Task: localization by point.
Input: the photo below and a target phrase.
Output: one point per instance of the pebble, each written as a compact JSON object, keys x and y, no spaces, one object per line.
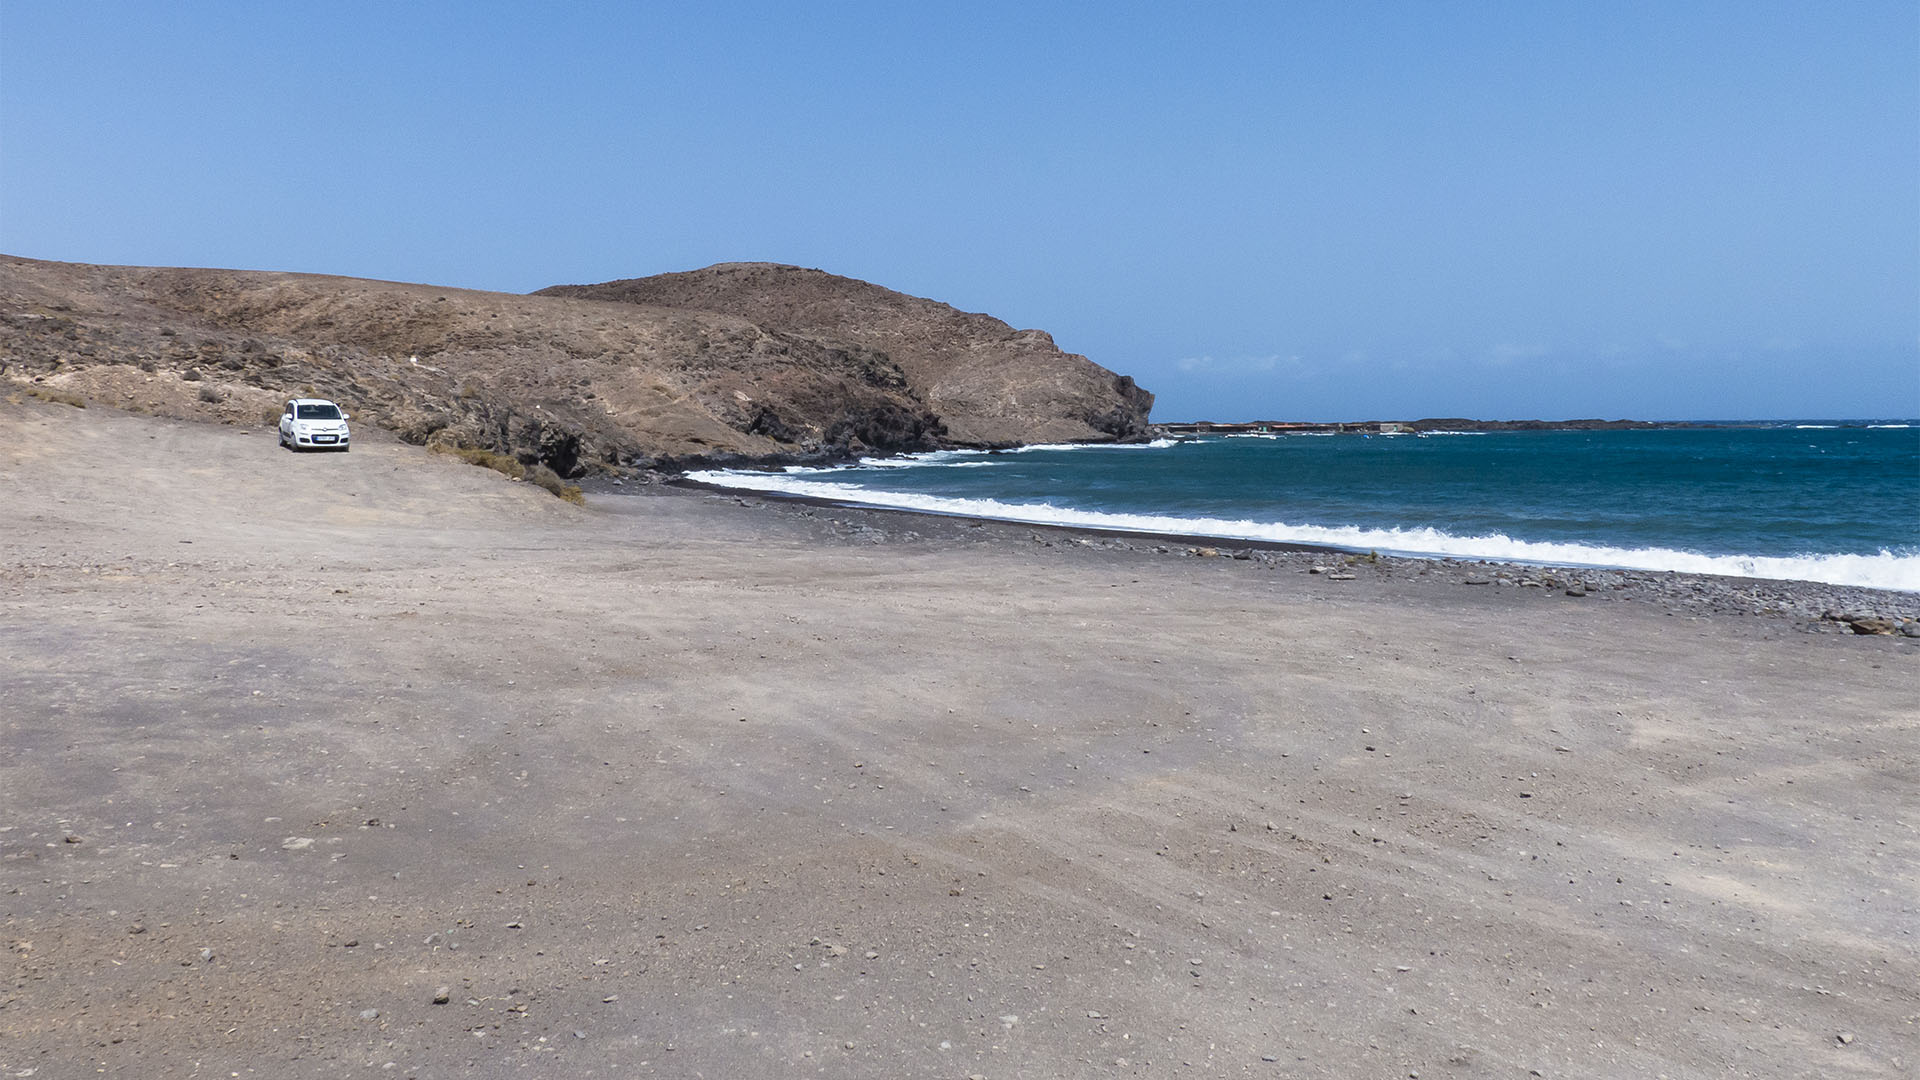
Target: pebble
{"x":1845,"y":1038}
{"x":369,"y":1014}
{"x":442,"y":995}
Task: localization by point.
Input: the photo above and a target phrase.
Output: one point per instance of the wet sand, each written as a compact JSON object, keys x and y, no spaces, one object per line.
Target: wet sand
{"x":689,"y":785}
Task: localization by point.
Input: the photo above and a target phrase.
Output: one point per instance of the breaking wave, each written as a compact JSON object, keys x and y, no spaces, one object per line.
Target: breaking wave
{"x":963,"y":459}
{"x":1883,"y":570}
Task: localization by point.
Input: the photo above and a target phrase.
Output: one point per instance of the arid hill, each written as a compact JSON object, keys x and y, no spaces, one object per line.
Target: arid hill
{"x":769,"y":366}
{"x":988,"y":382}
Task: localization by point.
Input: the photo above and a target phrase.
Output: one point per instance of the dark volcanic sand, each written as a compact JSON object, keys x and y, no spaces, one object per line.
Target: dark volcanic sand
{"x":675,"y":786}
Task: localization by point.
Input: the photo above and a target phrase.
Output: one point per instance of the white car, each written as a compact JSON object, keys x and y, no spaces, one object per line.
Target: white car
{"x":314,"y":422}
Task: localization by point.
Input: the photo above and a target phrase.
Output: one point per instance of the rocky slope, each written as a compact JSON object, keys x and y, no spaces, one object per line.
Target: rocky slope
{"x":989,"y":383}
{"x":558,"y":378}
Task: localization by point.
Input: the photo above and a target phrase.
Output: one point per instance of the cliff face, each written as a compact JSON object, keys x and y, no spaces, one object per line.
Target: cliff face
{"x":989,"y":383}
{"x":571,"y":382}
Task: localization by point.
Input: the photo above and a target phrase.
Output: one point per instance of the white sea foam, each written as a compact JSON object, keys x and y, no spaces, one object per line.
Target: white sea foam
{"x":967,"y":459}
{"x":1453,"y":433}
{"x":1157,"y":444}
{"x":944,"y":456}
{"x":908,"y":461}
{"x":1884,"y":570}
{"x":1889,"y":427}
{"x":1815,"y":427}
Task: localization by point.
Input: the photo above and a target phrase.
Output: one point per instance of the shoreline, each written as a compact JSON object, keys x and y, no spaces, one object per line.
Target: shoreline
{"x":1742,"y":532}
{"x":1819,"y":604}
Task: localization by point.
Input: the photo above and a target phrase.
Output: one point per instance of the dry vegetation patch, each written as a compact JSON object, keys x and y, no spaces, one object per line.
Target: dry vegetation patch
{"x":510,"y":466}
{"x":58,"y":397}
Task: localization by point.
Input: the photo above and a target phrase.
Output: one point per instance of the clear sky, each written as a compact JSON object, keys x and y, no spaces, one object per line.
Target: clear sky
{"x":1672,"y":209}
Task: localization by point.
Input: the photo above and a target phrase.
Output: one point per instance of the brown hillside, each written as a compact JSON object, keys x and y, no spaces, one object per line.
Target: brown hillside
{"x":573,"y":383}
{"x":988,"y":382}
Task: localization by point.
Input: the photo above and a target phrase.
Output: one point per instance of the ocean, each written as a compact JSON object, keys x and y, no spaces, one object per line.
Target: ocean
{"x":1827,"y":501}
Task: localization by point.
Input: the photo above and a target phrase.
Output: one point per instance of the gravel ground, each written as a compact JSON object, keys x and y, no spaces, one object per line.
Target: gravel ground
{"x":381,"y":764}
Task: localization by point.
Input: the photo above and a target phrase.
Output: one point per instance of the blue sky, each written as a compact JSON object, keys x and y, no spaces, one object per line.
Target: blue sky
{"x":1312,"y":210}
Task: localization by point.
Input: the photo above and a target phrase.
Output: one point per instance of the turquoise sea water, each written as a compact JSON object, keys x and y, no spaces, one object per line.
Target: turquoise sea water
{"x":1830,"y":502}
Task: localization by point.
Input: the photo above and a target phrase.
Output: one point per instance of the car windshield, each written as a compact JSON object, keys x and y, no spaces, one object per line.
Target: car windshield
{"x":317,"y":412}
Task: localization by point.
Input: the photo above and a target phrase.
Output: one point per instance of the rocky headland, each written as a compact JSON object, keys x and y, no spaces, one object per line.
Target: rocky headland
{"x":991,"y":385}
{"x":736,"y":363}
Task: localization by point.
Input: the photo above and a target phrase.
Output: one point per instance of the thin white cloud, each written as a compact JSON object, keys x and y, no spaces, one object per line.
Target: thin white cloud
{"x":1237,"y":365}
{"x":1507,"y":353}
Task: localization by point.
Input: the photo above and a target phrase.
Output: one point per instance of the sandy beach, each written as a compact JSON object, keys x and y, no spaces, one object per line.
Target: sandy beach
{"x":380,"y":764}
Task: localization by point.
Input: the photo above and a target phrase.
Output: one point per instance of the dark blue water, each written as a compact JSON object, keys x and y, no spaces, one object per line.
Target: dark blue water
{"x":1832,"y":504}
